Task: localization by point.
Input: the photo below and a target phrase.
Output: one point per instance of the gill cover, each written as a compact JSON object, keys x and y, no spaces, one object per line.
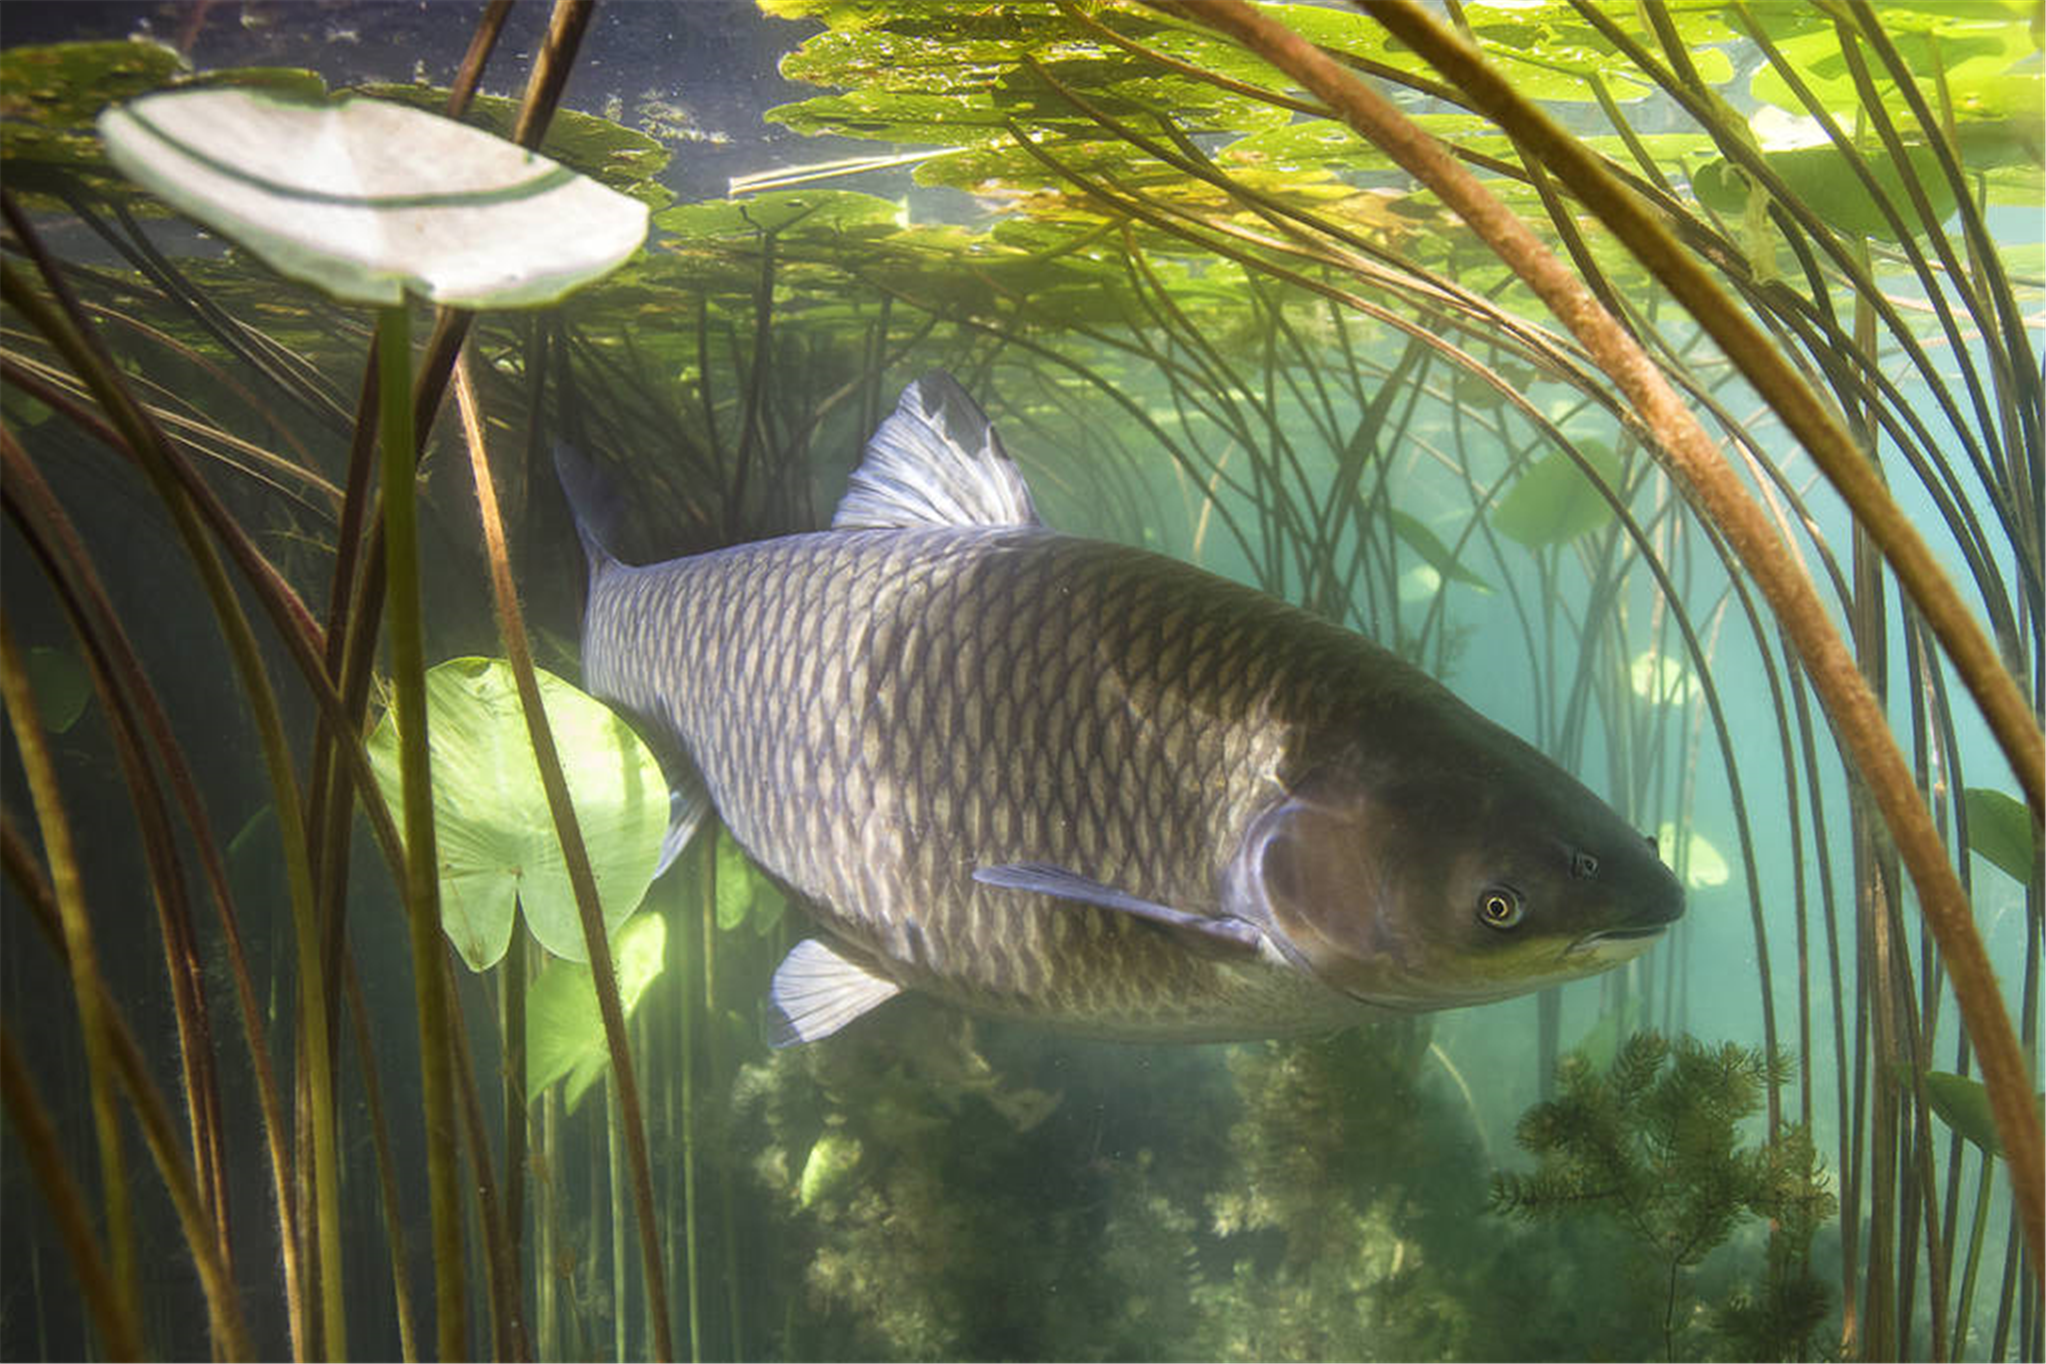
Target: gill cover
{"x":1306,"y":870}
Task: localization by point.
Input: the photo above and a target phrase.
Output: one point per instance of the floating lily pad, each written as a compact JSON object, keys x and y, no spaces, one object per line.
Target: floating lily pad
{"x":498,"y":849}
{"x":2000,"y":829}
{"x":368,"y":200}
{"x":564,"y":1024}
{"x":1553,"y":501}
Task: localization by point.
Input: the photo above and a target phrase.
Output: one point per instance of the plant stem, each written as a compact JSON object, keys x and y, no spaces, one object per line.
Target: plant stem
{"x":422,"y":860}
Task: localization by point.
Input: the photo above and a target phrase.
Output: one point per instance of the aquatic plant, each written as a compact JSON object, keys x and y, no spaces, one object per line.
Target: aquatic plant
{"x":1652,"y":1142}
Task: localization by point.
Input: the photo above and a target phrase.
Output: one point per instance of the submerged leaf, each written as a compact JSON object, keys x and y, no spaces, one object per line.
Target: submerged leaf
{"x":1663,"y":680}
{"x":565,"y":1025}
{"x":1552,"y":501}
{"x":491,"y":819}
{"x":1437,"y":555}
{"x":1963,"y":1104}
{"x":1699,"y":861}
{"x":742,"y":891}
{"x":1823,"y":178}
{"x":60,"y":685}
{"x":2000,"y":829}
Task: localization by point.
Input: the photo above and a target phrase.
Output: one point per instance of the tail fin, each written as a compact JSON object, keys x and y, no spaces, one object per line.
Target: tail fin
{"x":593,"y":500}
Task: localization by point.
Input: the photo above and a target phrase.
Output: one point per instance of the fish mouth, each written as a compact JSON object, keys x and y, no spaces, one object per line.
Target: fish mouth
{"x":1618,"y":942}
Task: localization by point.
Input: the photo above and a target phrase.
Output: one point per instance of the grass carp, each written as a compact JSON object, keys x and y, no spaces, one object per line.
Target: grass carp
{"x":1055,"y":778}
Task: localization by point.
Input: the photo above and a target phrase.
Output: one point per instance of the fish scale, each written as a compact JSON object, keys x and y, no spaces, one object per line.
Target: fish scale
{"x":1048,"y":777}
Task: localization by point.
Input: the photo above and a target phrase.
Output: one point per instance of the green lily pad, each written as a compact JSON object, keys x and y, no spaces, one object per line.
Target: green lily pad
{"x":2000,"y":829}
{"x":1553,"y":501}
{"x":565,"y":1025}
{"x":368,"y":200}
{"x":498,"y":850}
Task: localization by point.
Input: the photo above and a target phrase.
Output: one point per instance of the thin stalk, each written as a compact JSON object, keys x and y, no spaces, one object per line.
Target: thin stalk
{"x":422,"y":860}
{"x":387,"y":1169}
{"x":511,"y":627}
{"x":95,"y":1028}
{"x":110,"y":1310}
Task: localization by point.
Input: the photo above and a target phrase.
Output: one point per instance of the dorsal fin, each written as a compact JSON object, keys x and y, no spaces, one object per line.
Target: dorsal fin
{"x":936,"y":461}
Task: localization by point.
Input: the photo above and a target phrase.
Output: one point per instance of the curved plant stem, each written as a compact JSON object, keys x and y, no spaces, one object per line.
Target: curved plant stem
{"x":95,"y":1029}
{"x":511,"y":625}
{"x":422,"y":862}
{"x":1717,"y":492}
{"x":111,"y":1314}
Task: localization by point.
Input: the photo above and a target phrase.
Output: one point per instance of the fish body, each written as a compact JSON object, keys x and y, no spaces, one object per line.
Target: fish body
{"x":1055,"y":778}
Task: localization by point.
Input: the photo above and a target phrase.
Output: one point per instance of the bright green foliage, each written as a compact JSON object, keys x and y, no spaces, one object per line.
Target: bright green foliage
{"x":1653,"y":1143}
{"x":564,"y":1024}
{"x":496,"y":834}
{"x":2000,"y":829}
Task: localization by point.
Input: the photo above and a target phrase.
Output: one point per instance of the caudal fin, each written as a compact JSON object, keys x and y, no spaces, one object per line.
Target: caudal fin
{"x":593,"y":500}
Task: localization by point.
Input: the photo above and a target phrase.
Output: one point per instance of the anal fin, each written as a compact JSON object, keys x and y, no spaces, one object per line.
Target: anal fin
{"x":818,"y":989}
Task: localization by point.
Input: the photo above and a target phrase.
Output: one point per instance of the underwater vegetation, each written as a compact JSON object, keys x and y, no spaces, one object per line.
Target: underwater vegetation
{"x":1664,"y":377}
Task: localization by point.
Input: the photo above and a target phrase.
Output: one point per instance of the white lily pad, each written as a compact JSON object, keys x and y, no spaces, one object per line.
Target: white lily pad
{"x":564,"y":1025}
{"x":498,"y":850}
{"x":368,"y":200}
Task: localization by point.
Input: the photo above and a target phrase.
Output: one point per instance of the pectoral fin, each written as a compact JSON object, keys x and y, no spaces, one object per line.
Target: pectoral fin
{"x":818,"y":989}
{"x":1222,"y":934}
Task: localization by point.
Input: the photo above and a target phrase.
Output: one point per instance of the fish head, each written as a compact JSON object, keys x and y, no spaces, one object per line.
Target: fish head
{"x":1466,"y":874}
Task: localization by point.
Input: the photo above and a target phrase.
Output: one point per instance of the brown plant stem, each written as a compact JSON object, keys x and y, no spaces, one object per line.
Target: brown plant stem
{"x":511,"y":626}
{"x":1717,"y":492}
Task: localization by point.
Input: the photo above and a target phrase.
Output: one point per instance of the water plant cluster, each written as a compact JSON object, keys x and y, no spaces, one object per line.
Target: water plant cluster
{"x":1235,"y":294}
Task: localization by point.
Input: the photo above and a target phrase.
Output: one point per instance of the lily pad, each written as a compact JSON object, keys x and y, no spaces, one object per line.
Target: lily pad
{"x":564,"y":1024}
{"x":2000,"y":829}
{"x":368,"y":200}
{"x":1553,"y":501}
{"x":498,"y":850}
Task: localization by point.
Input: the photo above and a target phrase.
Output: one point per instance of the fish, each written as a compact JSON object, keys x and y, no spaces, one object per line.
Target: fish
{"x":1058,"y":779}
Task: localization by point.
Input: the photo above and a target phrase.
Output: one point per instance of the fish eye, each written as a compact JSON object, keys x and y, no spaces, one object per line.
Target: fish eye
{"x":1500,"y":906}
{"x":1583,"y":865}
